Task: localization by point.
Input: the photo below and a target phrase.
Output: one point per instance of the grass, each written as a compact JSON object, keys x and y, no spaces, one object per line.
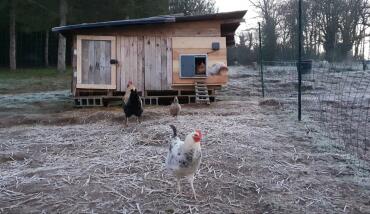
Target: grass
{"x":33,"y":80}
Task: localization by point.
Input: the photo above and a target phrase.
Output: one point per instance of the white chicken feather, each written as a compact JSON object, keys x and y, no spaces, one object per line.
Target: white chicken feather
{"x":184,"y":157}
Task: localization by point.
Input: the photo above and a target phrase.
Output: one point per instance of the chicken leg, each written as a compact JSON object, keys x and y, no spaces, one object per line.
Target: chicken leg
{"x":191,"y":181}
{"x":126,"y":121}
{"x":178,"y":185}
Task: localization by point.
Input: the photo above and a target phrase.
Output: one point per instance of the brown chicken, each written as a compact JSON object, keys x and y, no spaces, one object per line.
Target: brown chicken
{"x":175,"y":107}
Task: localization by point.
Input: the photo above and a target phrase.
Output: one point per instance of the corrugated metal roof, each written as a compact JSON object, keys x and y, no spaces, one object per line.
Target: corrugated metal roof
{"x":151,"y":20}
{"x":214,"y":16}
{"x":118,"y":23}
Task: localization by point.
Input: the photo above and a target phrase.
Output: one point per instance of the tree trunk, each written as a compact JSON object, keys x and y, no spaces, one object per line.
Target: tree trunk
{"x":62,"y":39}
{"x":12,"y":44}
{"x":46,"y":50}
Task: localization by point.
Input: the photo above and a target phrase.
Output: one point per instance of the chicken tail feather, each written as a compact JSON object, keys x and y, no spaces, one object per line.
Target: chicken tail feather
{"x":174,"y":131}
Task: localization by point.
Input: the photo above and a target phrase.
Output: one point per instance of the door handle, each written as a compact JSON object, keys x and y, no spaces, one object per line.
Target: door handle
{"x":113,"y":61}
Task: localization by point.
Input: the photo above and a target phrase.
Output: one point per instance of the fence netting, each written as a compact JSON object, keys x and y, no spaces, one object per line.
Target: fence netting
{"x":334,"y":95}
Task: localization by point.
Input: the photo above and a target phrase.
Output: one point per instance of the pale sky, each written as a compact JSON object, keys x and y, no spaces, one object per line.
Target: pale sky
{"x":235,"y":5}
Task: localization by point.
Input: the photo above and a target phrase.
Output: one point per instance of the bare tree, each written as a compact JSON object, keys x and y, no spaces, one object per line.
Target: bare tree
{"x":63,"y":7}
{"x":12,"y":32}
{"x":192,"y":7}
{"x":349,"y":25}
{"x":46,"y":49}
{"x":268,"y":12}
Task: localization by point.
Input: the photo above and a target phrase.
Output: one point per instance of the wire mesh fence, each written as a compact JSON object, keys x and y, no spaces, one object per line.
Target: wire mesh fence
{"x":334,"y":95}
{"x":341,"y":100}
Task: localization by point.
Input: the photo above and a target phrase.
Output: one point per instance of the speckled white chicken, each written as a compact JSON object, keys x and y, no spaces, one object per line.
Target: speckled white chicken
{"x":184,"y":157}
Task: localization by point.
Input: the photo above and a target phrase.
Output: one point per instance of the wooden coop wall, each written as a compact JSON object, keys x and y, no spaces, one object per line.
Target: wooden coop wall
{"x":201,"y":46}
{"x":130,"y":56}
{"x":146,"y":61}
{"x":185,"y":29}
{"x":151,"y":53}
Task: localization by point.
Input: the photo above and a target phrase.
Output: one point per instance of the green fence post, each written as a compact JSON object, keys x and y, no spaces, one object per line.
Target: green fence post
{"x":260,"y":56}
{"x":299,"y":67}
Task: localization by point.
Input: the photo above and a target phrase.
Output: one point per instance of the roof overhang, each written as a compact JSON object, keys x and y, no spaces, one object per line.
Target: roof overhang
{"x":230,"y":21}
{"x":118,"y":23}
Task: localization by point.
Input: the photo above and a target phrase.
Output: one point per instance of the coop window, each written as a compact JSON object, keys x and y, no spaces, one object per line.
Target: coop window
{"x":193,"y":65}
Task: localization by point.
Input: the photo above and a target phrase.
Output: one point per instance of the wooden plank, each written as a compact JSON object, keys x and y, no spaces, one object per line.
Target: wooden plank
{"x":96,"y":38}
{"x":133,"y":60}
{"x":216,"y":55}
{"x":125,"y":62}
{"x":197,"y":28}
{"x":169,"y":62}
{"x":79,"y":60}
{"x":104,"y":70}
{"x":129,"y":58}
{"x":91,"y":63}
{"x":113,"y":67}
{"x":220,"y":79}
{"x":84,"y":61}
{"x":95,"y":86}
{"x":163,"y":46}
{"x":140,"y":63}
{"x":146,"y":63}
{"x":157,"y":81}
{"x":119,"y":65}
{"x":151,"y":77}
{"x":123,"y":65}
{"x":74,"y":66}
{"x":201,"y":28}
{"x":197,"y":42}
{"x":97,"y":63}
{"x":107,"y":56}
{"x":152,"y":58}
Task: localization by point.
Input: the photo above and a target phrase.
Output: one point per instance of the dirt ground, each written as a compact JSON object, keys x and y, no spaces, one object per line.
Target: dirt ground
{"x":256,"y":159}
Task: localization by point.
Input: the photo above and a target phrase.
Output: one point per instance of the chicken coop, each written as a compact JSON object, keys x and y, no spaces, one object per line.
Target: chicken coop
{"x":163,"y":56}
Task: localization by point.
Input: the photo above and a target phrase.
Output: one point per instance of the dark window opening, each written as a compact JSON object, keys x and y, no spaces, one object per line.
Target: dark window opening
{"x":200,"y":65}
{"x":193,"y":65}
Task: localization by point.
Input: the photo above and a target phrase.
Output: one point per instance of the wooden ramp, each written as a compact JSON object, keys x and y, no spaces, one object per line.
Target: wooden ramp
{"x":201,"y":93}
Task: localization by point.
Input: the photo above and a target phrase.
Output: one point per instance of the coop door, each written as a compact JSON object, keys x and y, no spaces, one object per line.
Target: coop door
{"x":96,"y":62}
{"x":193,"y":65}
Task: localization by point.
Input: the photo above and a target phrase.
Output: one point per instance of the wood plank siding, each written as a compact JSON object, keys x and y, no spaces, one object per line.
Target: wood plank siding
{"x":93,"y":62}
{"x":130,"y":62}
{"x":186,"y":29}
{"x":198,"y":45}
{"x":146,"y":61}
{"x":147,"y":55}
{"x":157,"y":49}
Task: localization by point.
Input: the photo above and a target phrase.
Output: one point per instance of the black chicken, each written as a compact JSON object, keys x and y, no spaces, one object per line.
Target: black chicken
{"x":134,"y":106}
